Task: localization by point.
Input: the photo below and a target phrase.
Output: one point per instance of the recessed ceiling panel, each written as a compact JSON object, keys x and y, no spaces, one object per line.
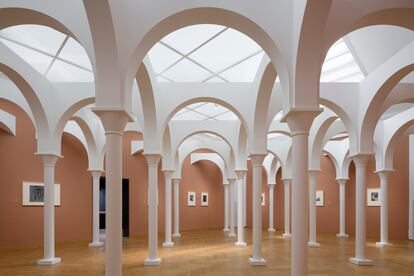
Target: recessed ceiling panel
{"x":186,"y":39}
{"x":186,"y":71}
{"x":37,"y":60}
{"x":211,"y":109}
{"x":225,"y":50}
{"x":161,"y":57}
{"x":228,"y":116}
{"x":245,"y":71}
{"x":74,"y":52}
{"x":189,"y":116}
{"x":39,"y":37}
{"x":64,"y":72}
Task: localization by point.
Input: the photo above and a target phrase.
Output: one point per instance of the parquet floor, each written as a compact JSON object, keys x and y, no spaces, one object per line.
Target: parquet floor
{"x":210,"y":252}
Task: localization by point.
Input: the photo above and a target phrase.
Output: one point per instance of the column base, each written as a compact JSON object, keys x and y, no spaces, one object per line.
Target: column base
{"x":364,"y":262}
{"x":287,"y":236}
{"x":51,"y":261}
{"x":313,"y":244}
{"x":231,"y":235}
{"x":226,"y":229}
{"x":96,"y":244}
{"x":176,"y":235}
{"x":271,"y":230}
{"x":342,"y":235}
{"x":240,"y":244}
{"x":383,"y":244}
{"x":152,"y":262}
{"x":168,"y":244}
{"x":257,"y":262}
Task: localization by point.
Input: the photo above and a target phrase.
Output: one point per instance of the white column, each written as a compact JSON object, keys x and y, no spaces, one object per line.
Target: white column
{"x":152,"y":161}
{"x":114,"y":123}
{"x":244,"y":201}
{"x":96,"y":174}
{"x":299,"y":124}
{"x":342,"y":233}
{"x":232,"y":182}
{"x":168,"y":239}
{"x":287,"y":182}
{"x":176,"y":183}
{"x":360,"y":208}
{"x":257,"y":162}
{"x":240,"y":220}
{"x":226,"y":207}
{"x":271,"y":207}
{"x":383,"y":175}
{"x":49,"y":162}
{"x":312,"y":209}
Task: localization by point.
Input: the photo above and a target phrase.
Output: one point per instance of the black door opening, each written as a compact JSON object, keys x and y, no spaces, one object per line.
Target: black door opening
{"x":125,"y":205}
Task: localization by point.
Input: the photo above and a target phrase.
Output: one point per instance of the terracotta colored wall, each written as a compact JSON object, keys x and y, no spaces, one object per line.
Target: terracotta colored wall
{"x":24,"y":224}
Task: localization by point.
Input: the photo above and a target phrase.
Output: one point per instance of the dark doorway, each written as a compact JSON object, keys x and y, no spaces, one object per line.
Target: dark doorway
{"x":125,"y":205}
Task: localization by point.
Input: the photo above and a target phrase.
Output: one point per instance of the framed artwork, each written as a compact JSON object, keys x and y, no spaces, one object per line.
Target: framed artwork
{"x":319,"y":198}
{"x":204,"y":199}
{"x":33,"y":194}
{"x":263,"y":199}
{"x":373,"y":197}
{"x":191,"y":199}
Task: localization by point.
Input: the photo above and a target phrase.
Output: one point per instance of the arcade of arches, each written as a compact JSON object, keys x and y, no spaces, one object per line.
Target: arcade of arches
{"x":214,"y":137}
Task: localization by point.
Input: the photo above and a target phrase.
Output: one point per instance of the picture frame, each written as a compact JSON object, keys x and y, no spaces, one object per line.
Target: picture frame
{"x":204,"y":199}
{"x":263,"y":199}
{"x":33,"y":194}
{"x":319,"y":200}
{"x":191,"y":199}
{"x":374,"y":197}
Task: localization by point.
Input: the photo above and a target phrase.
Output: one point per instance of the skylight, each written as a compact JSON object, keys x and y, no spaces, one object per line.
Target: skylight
{"x":206,"y":53}
{"x":340,"y":65}
{"x":53,"y":54}
{"x":204,"y":111}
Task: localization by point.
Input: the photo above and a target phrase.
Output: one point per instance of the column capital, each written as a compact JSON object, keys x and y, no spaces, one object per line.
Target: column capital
{"x":301,"y":119}
{"x":168,"y":172}
{"x":360,"y":159}
{"x":152,"y":159}
{"x":313,"y":172}
{"x":232,"y":180}
{"x":96,"y":173}
{"x":240,"y":173}
{"x":383,"y":173}
{"x":113,"y":120}
{"x":49,"y":159}
{"x":176,"y":180}
{"x":287,"y":180}
{"x":342,"y":180}
{"x":271,"y":185}
{"x":257,"y":158}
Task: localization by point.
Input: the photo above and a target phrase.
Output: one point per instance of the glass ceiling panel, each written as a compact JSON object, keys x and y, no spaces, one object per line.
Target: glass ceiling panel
{"x":186,"y":71}
{"x":64,"y":72}
{"x":161,"y":57}
{"x":215,"y":79}
{"x":38,"y":61}
{"x":245,"y":71}
{"x":37,"y":36}
{"x":340,"y":65}
{"x":228,"y":116}
{"x":189,"y":116}
{"x":187,"y":39}
{"x":211,"y":109}
{"x":225,"y":50}
{"x":74,"y":52}
{"x":205,"y":111}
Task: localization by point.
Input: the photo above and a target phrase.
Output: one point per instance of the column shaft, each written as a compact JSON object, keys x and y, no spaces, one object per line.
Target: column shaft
{"x":168,"y":239}
{"x":312,"y":209}
{"x":240,"y":216}
{"x":153,"y":259}
{"x":271,"y":207}
{"x":342,"y":233}
{"x":49,"y":162}
{"x":257,"y":161}
{"x":360,"y":208}
{"x":286,"y":233}
{"x":176,"y":183}
{"x":96,"y":174}
{"x":383,"y":175}
{"x":226,"y":207}
{"x":231,"y":209}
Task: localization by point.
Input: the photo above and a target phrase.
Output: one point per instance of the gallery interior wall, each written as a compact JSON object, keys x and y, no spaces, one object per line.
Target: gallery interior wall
{"x":24,"y":225}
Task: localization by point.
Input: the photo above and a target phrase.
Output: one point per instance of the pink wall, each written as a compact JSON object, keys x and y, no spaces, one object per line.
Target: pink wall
{"x":24,"y":225}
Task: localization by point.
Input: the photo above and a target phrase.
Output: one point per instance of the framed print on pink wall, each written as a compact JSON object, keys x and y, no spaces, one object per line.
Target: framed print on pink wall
{"x":191,"y":199}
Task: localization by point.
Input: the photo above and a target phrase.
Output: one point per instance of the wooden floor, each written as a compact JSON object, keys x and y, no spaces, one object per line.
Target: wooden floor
{"x":210,"y":252}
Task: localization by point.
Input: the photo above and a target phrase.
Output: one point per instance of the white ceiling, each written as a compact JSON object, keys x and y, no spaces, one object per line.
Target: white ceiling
{"x":205,"y":111}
